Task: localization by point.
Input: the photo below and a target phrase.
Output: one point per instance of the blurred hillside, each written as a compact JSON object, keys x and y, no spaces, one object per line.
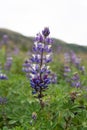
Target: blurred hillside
{"x":25,"y":43}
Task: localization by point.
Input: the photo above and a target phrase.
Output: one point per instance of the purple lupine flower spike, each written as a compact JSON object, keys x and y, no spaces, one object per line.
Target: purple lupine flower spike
{"x":75,"y":81}
{"x":82,"y":69}
{"x":5,"y":39}
{"x":75,"y":60}
{"x":8,"y":63}
{"x":37,"y":68}
{"x":2,"y":76}
{"x":66,"y":73}
{"x":3,"y":100}
{"x":67,"y":57}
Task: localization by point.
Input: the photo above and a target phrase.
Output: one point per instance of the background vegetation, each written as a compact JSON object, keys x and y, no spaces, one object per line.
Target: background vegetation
{"x":65,"y":106}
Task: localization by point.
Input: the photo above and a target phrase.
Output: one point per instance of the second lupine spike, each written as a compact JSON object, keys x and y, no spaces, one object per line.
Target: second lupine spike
{"x":2,"y":76}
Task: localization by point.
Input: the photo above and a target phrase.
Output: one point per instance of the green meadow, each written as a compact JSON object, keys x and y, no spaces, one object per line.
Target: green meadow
{"x":65,"y":107}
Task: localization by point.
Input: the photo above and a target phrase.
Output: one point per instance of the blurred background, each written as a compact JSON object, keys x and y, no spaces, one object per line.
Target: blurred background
{"x":22,"y":20}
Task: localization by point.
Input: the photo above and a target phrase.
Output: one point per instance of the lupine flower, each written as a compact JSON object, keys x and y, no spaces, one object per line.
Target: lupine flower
{"x":66,"y":73}
{"x":16,"y":51}
{"x":82,"y":69}
{"x":3,"y":100}
{"x":75,"y":81}
{"x":39,"y":38}
{"x":8,"y":63}
{"x":49,"y":41}
{"x":3,"y":76}
{"x":59,"y":48}
{"x":5,"y":39}
{"x":46,"y":32}
{"x":34,"y":115}
{"x":75,"y":77}
{"x":67,"y":69}
{"x":67,"y":57}
{"x":71,"y":57}
{"x":53,"y":78}
{"x":5,"y":43}
{"x":75,"y":60}
{"x":36,"y":67}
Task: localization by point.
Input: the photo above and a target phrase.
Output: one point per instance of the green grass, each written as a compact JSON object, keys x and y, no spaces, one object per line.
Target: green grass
{"x":58,"y":113}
